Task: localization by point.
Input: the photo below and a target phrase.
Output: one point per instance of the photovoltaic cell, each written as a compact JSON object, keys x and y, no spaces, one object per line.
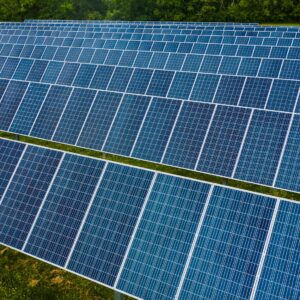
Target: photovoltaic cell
{"x":188,"y":135}
{"x":59,"y":220}
{"x":37,"y":70}
{"x":25,"y":194}
{"x":182,"y":85}
{"x":159,"y":250}
{"x":84,"y":75}
{"x":52,"y":72}
{"x":29,"y":108}
{"x":10,"y":102}
{"x":108,"y":228}
{"x":249,"y":66}
{"x":50,"y":112}
{"x":229,"y":247}
{"x":224,"y":140}
{"x":280,"y":274}
{"x":262,"y":148}
{"x":126,"y":124}
{"x":99,"y":120}
{"x":9,"y":67}
{"x":74,"y":115}
{"x":139,"y":81}
{"x":156,"y":129}
{"x":120,"y":79}
{"x":23,"y":69}
{"x":10,"y":154}
{"x":102,"y":77}
{"x":68,"y":73}
{"x":160,"y":83}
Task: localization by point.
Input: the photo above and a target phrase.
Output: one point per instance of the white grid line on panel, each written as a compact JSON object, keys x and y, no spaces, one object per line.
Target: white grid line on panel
{"x":1,"y":98}
{"x":13,"y":174}
{"x":192,"y":248}
{"x":217,"y":87}
{"x":242,"y":91}
{"x":185,"y":57}
{"x":44,"y":200}
{"x":86,"y":215}
{"x":269,"y":93}
{"x":264,"y":252}
{"x":135,"y":229}
{"x":242,"y":144}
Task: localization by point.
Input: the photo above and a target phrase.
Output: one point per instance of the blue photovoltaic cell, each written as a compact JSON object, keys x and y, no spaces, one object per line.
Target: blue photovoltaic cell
{"x":290,"y":69}
{"x":249,"y":66}
{"x":50,"y":112}
{"x":224,"y":140}
{"x":280,"y":274}
{"x":210,"y":64}
{"x":59,"y":220}
{"x":74,"y":115}
{"x":156,"y":129}
{"x":205,"y":87}
{"x":229,"y":65}
{"x":120,"y":79}
{"x":113,"y":57}
{"x":229,"y":90}
{"x":128,"y":58}
{"x":52,"y":72}
{"x":3,"y":85}
{"x":102,"y":77}
{"x":139,"y":81}
{"x":126,"y":124}
{"x":99,"y":120}
{"x":255,"y":92}
{"x":9,"y":67}
{"x":283,"y":95}
{"x":142,"y":60}
{"x":182,"y":85}
{"x":188,"y":135}
{"x":10,"y":102}
{"x":288,"y":175}
{"x":175,"y":61}
{"x":162,"y":242}
{"x":229,"y":247}
{"x":26,"y":193}
{"x":262,"y":147}
{"x":68,"y":73}
{"x":84,"y":75}
{"x":10,"y":153}
{"x":270,"y":68}
{"x":23,"y":69}
{"x":192,"y":63}
{"x":37,"y":70}
{"x":29,"y":108}
{"x":105,"y":236}
{"x":158,"y":60}
{"x":160,"y":83}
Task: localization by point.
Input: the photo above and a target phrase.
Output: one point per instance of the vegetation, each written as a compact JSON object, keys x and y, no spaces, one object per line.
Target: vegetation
{"x":177,"y":10}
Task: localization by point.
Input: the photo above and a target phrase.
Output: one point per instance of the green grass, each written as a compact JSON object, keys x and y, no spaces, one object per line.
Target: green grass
{"x":25,"y":278}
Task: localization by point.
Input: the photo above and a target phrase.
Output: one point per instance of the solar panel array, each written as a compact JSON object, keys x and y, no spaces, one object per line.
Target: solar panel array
{"x":150,"y":235}
{"x":202,"y":104}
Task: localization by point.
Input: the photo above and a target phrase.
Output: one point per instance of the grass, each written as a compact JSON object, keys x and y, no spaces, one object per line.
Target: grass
{"x":25,"y":278}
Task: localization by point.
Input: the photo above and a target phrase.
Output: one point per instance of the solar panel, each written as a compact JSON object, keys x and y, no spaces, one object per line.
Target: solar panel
{"x":145,"y":233}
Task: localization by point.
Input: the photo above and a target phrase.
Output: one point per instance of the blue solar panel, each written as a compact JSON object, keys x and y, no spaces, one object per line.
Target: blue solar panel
{"x":262,"y":148}
{"x":74,"y":115}
{"x":111,"y":220}
{"x":23,"y":69}
{"x":228,"y":250}
{"x":159,"y":250}
{"x":52,"y":72}
{"x":10,"y":102}
{"x":182,"y":85}
{"x":205,"y":87}
{"x":288,"y":176}
{"x":160,"y":83}
{"x":229,"y":65}
{"x":139,"y":81}
{"x":255,"y":92}
{"x":249,"y":66}
{"x":25,"y":194}
{"x":29,"y":108}
{"x":9,"y":67}
{"x":156,"y":129}
{"x":229,"y":90}
{"x":3,"y":85}
{"x":280,"y":274}
{"x":188,"y":135}
{"x":102,"y":77}
{"x":224,"y":140}
{"x":10,"y":154}
{"x":270,"y":68}
{"x":84,"y":75}
{"x":49,"y":115}
{"x":210,"y":64}
{"x":37,"y":70}
{"x":99,"y":120}
{"x":192,"y":62}
{"x":158,"y":60}
{"x":290,"y":69}
{"x":68,"y":73}
{"x":57,"y":224}
{"x":120,"y":79}
{"x":126,"y":124}
{"x":283,"y":95}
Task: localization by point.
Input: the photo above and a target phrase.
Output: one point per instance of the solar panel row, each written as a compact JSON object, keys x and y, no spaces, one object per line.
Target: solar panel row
{"x":148,"y":234}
